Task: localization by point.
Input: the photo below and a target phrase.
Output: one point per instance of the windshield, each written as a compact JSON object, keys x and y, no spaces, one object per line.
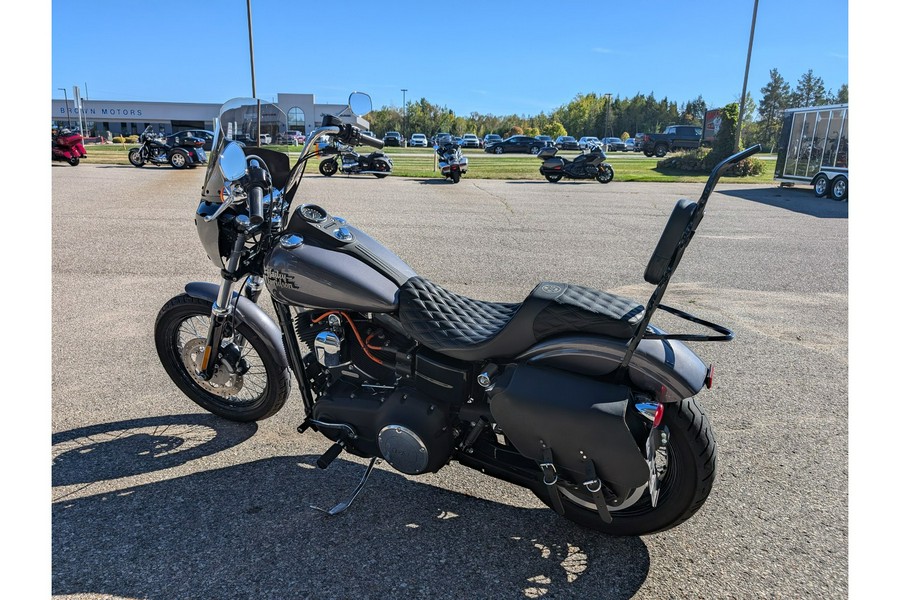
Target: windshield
{"x":244,"y":120}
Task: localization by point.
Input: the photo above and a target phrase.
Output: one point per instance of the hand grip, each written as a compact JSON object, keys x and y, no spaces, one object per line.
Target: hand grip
{"x":371,"y":141}
{"x":255,"y":203}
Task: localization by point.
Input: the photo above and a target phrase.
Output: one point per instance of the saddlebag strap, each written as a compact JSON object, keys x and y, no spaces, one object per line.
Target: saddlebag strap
{"x":550,"y":479}
{"x":593,"y":485}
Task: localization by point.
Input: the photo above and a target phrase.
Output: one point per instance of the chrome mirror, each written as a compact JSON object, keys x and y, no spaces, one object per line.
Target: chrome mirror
{"x":232,"y":162}
{"x":360,"y":103}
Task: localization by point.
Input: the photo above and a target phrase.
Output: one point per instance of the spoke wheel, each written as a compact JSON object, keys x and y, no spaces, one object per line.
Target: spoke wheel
{"x":328,"y":167}
{"x":249,"y":382}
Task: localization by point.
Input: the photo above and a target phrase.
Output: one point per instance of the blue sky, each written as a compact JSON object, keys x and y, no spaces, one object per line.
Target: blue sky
{"x":496,"y":57}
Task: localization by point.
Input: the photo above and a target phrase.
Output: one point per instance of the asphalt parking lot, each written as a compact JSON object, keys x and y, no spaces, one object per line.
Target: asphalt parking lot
{"x":154,"y":498}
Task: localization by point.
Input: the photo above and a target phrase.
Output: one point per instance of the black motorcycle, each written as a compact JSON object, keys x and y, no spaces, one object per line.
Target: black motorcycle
{"x":587,"y":165}
{"x":571,"y":393}
{"x":377,"y":163}
{"x":180,"y":151}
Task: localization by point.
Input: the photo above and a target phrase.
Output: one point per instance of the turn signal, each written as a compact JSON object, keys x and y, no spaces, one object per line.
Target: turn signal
{"x":709,"y":377}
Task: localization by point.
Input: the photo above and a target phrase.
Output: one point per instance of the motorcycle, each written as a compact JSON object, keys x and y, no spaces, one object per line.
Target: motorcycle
{"x":377,"y":163}
{"x":587,"y":165}
{"x":451,"y":160}
{"x":68,"y":147}
{"x":571,"y":393}
{"x":187,"y":151}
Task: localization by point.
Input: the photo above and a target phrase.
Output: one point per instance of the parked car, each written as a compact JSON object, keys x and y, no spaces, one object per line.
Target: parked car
{"x":207,"y":136}
{"x":566,"y":142}
{"x":516,"y":143}
{"x":614,"y":144}
{"x":418,"y":140}
{"x":393,"y":138}
{"x":290,"y":138}
{"x":470,"y":140}
{"x":587,"y":140}
{"x":629,"y":145}
{"x":638,"y":141}
{"x":490,"y":138}
{"x":548,"y":141}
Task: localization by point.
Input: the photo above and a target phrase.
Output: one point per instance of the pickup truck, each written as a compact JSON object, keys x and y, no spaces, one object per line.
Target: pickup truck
{"x":675,"y":137}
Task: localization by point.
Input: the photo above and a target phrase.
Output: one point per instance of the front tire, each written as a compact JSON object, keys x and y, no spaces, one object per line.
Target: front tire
{"x":534,"y":150}
{"x":178,"y":159}
{"x":821,"y":186}
{"x":498,"y":150}
{"x":690,"y":455}
{"x":135,"y":158}
{"x":606,"y":173}
{"x":250,"y":384}
{"x":74,"y":161}
{"x":660,"y":150}
{"x":328,"y":167}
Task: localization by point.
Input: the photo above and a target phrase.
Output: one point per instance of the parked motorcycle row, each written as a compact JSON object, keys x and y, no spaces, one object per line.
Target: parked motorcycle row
{"x":351,"y":162}
{"x":184,"y":151}
{"x":68,"y":146}
{"x":571,"y":393}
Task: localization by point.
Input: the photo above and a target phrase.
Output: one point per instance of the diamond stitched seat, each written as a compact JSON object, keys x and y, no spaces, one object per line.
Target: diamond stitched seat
{"x":475,"y":329}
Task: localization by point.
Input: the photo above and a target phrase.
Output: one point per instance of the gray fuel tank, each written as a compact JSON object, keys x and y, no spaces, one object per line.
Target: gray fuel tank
{"x":315,"y":277}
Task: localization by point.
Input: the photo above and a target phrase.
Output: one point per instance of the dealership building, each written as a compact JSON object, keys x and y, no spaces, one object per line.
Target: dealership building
{"x":123,"y":117}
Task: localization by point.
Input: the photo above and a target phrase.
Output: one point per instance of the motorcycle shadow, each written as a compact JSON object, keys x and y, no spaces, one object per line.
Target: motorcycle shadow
{"x":247,"y":531}
{"x":140,"y":446}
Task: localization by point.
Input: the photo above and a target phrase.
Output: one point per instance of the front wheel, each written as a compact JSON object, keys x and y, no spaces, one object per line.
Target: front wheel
{"x":135,"y":158}
{"x":178,"y":159}
{"x":250,"y":382}
{"x":498,"y":150}
{"x":687,"y":469}
{"x":74,"y":161}
{"x":660,"y":150}
{"x":328,"y":167}
{"x":821,"y":186}
{"x":606,"y":173}
{"x":534,"y":150}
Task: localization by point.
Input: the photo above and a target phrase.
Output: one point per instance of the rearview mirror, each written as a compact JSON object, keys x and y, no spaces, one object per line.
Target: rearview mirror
{"x":232,"y":162}
{"x":360,"y":103}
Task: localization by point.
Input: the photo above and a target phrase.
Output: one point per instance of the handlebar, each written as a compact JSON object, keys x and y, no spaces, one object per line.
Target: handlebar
{"x":371,"y":141}
{"x":255,"y":204}
{"x":719,"y":170}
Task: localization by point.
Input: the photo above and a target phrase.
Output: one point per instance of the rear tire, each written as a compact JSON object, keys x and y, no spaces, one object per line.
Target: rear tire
{"x":454,"y":176}
{"x":255,"y":388}
{"x":178,"y":159}
{"x":839,"y":189}
{"x":553,"y":178}
{"x":380,"y":165}
{"x":498,"y":150}
{"x":685,"y":486}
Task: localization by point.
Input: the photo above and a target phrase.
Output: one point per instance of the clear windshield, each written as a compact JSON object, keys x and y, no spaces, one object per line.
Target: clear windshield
{"x":246,"y":121}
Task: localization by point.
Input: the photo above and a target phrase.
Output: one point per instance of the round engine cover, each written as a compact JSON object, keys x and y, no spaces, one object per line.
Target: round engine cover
{"x":403,"y":449}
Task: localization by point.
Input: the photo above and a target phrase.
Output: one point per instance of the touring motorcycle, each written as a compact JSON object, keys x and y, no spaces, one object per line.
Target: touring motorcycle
{"x":451,"y":161}
{"x":571,"y":393}
{"x":68,"y":146}
{"x":376,"y":163}
{"x":587,"y":165}
{"x":185,"y":151}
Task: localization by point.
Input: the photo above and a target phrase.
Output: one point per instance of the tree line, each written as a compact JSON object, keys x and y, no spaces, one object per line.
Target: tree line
{"x":604,"y":115}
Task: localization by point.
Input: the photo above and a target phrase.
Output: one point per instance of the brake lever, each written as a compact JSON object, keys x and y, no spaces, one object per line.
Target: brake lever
{"x":222,"y":207}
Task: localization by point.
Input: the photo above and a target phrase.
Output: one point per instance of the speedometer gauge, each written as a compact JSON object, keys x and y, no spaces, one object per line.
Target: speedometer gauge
{"x":313,"y":213}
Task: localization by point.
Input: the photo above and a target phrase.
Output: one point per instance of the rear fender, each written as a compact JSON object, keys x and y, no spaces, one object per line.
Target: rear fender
{"x":655,"y":363}
{"x":247,"y":312}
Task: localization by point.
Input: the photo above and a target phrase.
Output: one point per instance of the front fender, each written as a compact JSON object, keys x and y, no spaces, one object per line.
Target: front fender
{"x":247,"y":312}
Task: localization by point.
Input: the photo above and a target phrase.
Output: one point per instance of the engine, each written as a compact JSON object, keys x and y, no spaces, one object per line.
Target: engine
{"x":400,"y":400}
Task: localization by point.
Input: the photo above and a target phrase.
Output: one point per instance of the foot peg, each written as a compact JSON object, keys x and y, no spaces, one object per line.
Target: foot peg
{"x":342,"y":506}
{"x":332,"y":453}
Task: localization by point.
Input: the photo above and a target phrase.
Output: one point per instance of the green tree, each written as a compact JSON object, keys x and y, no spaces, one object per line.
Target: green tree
{"x":842,"y":95}
{"x":810,"y":91}
{"x":776,"y":96}
{"x":554,"y":129}
{"x":693,"y":111}
{"x":724,"y":144}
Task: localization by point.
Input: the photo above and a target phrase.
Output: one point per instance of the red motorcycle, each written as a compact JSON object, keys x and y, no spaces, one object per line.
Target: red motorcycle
{"x":68,"y":147}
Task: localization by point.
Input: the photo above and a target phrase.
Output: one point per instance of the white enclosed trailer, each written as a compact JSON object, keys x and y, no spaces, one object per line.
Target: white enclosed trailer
{"x":812,"y":149}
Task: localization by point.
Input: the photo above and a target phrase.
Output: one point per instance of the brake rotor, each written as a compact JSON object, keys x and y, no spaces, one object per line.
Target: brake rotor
{"x":226,"y":379}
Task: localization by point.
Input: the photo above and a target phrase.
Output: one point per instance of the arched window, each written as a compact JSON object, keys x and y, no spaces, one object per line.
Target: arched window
{"x":296,"y":119}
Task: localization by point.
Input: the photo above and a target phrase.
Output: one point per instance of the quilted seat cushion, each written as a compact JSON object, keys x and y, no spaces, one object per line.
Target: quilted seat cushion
{"x":475,"y":329}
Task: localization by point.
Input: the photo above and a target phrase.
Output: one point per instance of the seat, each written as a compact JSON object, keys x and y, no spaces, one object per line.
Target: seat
{"x":474,"y":330}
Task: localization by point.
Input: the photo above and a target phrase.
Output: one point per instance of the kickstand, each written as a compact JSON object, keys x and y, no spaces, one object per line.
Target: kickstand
{"x":342,"y":506}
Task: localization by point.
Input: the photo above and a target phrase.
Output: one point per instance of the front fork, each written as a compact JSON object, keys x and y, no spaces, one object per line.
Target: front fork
{"x":223,"y":308}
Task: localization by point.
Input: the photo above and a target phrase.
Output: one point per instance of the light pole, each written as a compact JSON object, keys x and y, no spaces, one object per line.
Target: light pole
{"x":405,"y":124}
{"x":66,"y":95}
{"x":606,"y":131}
{"x":737,"y":136}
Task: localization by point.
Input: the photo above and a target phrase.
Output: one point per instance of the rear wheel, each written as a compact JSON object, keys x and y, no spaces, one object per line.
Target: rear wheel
{"x":821,"y":186}
{"x":498,"y":150}
{"x":553,"y":178}
{"x":606,"y":173}
{"x":135,"y":158}
{"x":250,"y":383}
{"x":534,"y":150}
{"x":328,"y":167}
{"x":839,"y":188}
{"x":687,"y":469}
{"x":178,"y":159}
{"x":454,"y":176}
{"x":382,"y":166}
